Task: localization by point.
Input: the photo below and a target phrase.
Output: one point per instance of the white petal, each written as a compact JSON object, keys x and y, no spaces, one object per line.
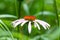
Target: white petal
{"x":47,"y":26}
{"x":29,"y":27}
{"x":17,"y":22}
{"x":36,"y":24}
{"x":41,"y":23}
{"x":44,"y":24}
{"x":24,"y":22}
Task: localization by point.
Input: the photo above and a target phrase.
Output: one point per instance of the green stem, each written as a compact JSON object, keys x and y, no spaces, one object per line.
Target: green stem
{"x":42,"y":9}
{"x":16,"y":7}
{"x":19,"y":8}
{"x":19,"y":12}
{"x":56,"y":11}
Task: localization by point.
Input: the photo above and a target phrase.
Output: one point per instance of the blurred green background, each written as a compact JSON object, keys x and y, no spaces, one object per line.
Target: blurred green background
{"x":47,"y":10}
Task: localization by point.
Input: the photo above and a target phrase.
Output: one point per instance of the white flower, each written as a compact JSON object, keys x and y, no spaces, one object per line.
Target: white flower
{"x":31,"y":19}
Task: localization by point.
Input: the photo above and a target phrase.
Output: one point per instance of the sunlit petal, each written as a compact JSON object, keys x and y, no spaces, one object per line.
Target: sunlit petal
{"x":17,"y":22}
{"x":24,"y":22}
{"x":47,"y":26}
{"x":44,"y":24}
{"x":36,"y":24}
{"x":29,"y":27}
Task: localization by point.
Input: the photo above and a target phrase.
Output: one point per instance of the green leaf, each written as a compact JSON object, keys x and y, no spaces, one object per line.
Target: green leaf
{"x":45,"y":13}
{"x":6,"y":28}
{"x":7,"y":16}
{"x":2,"y":6}
{"x":26,"y":8}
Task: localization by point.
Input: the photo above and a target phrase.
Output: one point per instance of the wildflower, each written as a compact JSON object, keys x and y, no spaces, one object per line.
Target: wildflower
{"x":31,"y":19}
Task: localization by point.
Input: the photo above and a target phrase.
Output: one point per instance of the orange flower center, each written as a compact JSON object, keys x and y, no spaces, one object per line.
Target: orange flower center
{"x":30,"y":18}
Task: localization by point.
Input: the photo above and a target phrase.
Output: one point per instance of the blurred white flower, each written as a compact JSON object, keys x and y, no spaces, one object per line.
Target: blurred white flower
{"x":31,"y":19}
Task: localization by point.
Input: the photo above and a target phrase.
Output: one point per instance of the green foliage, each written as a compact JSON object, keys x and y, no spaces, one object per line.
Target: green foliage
{"x":47,"y":10}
